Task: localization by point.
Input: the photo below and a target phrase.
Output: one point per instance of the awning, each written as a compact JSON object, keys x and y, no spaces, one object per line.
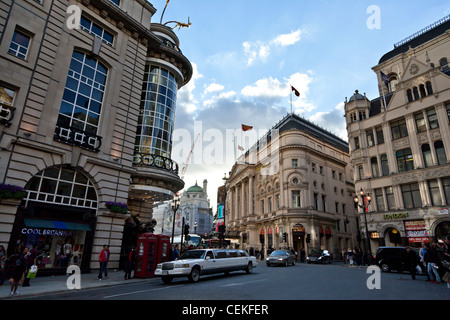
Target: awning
{"x":57,"y":225}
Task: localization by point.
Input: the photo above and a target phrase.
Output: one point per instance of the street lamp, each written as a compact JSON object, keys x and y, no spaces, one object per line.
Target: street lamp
{"x":364,"y":204}
{"x":175,"y":204}
{"x":195,"y":227}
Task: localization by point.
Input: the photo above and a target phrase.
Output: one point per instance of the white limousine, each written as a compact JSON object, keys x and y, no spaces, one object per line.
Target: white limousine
{"x":194,"y":263}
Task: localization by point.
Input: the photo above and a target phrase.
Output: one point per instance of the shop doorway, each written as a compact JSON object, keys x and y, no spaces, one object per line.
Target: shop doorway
{"x":298,"y":239}
{"x":442,"y":230}
{"x":393,"y":238}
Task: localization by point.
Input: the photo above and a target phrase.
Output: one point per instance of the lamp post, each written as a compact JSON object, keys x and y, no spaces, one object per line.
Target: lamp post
{"x":175,"y":205}
{"x":364,"y":204}
{"x":225,"y":180}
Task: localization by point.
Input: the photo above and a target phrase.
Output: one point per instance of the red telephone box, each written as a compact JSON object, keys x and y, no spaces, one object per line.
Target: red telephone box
{"x":151,"y":249}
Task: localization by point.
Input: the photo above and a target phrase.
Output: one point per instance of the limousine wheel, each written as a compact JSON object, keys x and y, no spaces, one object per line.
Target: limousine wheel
{"x":249,"y":268}
{"x":195,"y":275}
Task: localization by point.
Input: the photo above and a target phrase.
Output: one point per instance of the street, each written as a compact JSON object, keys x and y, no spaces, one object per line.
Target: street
{"x":299,"y":282}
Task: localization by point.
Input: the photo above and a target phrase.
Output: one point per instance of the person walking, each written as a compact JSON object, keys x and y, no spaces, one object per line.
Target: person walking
{"x":422,"y":263}
{"x":31,"y":260}
{"x":103,"y":258}
{"x":432,"y":259}
{"x":175,"y":253}
{"x":446,"y":260}
{"x":17,"y":266}
{"x":129,"y":266}
{"x":409,"y":261}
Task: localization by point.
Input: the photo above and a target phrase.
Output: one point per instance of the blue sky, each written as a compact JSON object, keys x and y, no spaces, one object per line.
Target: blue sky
{"x":247,"y":53}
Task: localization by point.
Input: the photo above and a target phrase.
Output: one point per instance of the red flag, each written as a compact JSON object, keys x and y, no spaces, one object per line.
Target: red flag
{"x":246,"y":128}
{"x":295,"y":91}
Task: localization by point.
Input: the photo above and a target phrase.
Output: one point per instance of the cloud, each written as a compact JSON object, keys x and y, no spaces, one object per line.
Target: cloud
{"x":185,"y":97}
{"x":213,"y":87}
{"x":260,"y":50}
{"x":333,"y":121}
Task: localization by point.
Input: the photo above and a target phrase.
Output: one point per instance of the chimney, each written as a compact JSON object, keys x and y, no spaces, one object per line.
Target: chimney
{"x":205,"y":184}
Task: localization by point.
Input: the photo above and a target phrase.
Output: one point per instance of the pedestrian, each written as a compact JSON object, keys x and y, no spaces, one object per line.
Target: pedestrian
{"x":302,"y":255}
{"x":103,"y":258}
{"x":432,"y":259}
{"x":2,"y":264}
{"x":446,"y":260}
{"x":129,"y":265}
{"x":252,"y":251}
{"x":175,"y":253}
{"x":350,"y":257}
{"x":17,"y":265}
{"x":409,"y":262}
{"x":422,"y":263}
{"x":31,"y":260}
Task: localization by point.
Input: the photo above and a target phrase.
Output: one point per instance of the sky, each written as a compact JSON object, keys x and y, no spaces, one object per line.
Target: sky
{"x":246,"y":55}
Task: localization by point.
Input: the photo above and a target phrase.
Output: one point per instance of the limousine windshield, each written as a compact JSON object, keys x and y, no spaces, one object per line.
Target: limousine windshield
{"x":193,"y":254}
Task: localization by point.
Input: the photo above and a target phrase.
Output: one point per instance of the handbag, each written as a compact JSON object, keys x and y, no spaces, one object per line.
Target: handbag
{"x":32,"y":272}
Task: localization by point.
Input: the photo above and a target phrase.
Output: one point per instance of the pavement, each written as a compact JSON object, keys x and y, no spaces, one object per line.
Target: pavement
{"x":56,"y":284}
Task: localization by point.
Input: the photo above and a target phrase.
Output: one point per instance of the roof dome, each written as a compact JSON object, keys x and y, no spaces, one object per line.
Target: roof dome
{"x":357,"y":96}
{"x":195,"y":188}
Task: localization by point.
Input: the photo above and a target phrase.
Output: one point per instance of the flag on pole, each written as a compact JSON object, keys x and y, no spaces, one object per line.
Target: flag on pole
{"x":241,"y":148}
{"x":297,"y":93}
{"x":385,"y":78}
{"x":246,"y":128}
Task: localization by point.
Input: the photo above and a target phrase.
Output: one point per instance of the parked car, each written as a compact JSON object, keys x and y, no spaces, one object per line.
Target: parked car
{"x":390,"y":258}
{"x":194,"y":263}
{"x":280,"y":257}
{"x":319,"y":256}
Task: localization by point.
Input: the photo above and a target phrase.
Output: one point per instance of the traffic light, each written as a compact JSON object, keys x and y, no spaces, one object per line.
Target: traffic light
{"x":186,"y":229}
{"x":308,"y":238}
{"x":285,"y":237}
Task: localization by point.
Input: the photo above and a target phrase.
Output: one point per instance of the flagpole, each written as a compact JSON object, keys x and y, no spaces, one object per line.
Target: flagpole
{"x":384,"y":98}
{"x":291,"y":99}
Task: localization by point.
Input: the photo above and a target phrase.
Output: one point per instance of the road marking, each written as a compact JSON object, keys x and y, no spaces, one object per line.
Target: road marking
{"x":242,"y":283}
{"x":140,"y":291}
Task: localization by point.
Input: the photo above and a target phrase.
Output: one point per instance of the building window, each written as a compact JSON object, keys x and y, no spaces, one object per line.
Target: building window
{"x":313,"y":167}
{"x":262,"y":206}
{"x":426,"y":153}
{"x":370,"y":140}
{"x":294,"y":163}
{"x":361,"y":172}
{"x":353,"y":117}
{"x":380,"y":135}
{"x":295,"y":198}
{"x":423,"y":93}
{"x":374,"y":165}
{"x":357,"y":146}
{"x":324,"y":203}
{"x":443,"y":63}
{"x":79,"y":115}
{"x":336,"y":207}
{"x":278,"y":202}
{"x":399,"y":129}
{"x":416,"y":93}
{"x":446,"y":186}
{"x":411,"y":196}
{"x":405,"y":160}
{"x":19,"y":45}
{"x":384,"y":165}
{"x":321,"y":170}
{"x":333,"y":174}
{"x":390,"y":198}
{"x":409,"y":94}
{"x":362,"y":115}
{"x":269,"y":204}
{"x":429,"y":88}
{"x":116,"y":2}
{"x":435,"y":194}
{"x":62,"y":186}
{"x":157,"y":113}
{"x":379,"y":199}
{"x":316,"y":201}
{"x":7,"y":96}
{"x":432,"y":119}
{"x":420,"y":122}
{"x":94,"y":29}
{"x":440,"y":152}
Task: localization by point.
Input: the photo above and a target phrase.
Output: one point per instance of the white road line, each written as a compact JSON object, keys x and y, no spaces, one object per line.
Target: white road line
{"x":242,"y":283}
{"x":141,"y":291}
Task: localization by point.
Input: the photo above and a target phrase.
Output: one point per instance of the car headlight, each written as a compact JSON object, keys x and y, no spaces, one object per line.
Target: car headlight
{"x":185,"y":265}
{"x":280,"y":259}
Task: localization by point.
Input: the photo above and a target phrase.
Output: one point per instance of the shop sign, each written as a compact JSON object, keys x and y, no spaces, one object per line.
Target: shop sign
{"x":47,"y":232}
{"x":393,"y":216}
{"x":298,"y":228}
{"x":416,"y":231}
{"x":443,"y":211}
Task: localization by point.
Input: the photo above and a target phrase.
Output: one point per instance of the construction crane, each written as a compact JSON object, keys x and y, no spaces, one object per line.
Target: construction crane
{"x":186,"y":163}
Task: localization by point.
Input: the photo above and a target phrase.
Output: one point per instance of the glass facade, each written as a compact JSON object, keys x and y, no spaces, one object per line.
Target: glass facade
{"x":157,"y":114}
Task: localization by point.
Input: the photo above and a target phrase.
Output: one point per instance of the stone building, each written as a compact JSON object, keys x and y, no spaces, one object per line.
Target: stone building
{"x":400,"y":141}
{"x":88,"y":97}
{"x":296,"y":181}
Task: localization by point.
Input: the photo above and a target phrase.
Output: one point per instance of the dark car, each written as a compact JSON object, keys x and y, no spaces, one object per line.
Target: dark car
{"x":319,"y":256}
{"x":280,"y":257}
{"x":390,"y":258}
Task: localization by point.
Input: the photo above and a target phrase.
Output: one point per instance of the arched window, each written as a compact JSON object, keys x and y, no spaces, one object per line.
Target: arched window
{"x":374,"y":165}
{"x":429,"y":88}
{"x":426,"y":153}
{"x":405,"y":160}
{"x":416,"y":93}
{"x":63,"y":186}
{"x":82,"y":101}
{"x":410,"y":96}
{"x":440,"y":152}
{"x":423,"y":93}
